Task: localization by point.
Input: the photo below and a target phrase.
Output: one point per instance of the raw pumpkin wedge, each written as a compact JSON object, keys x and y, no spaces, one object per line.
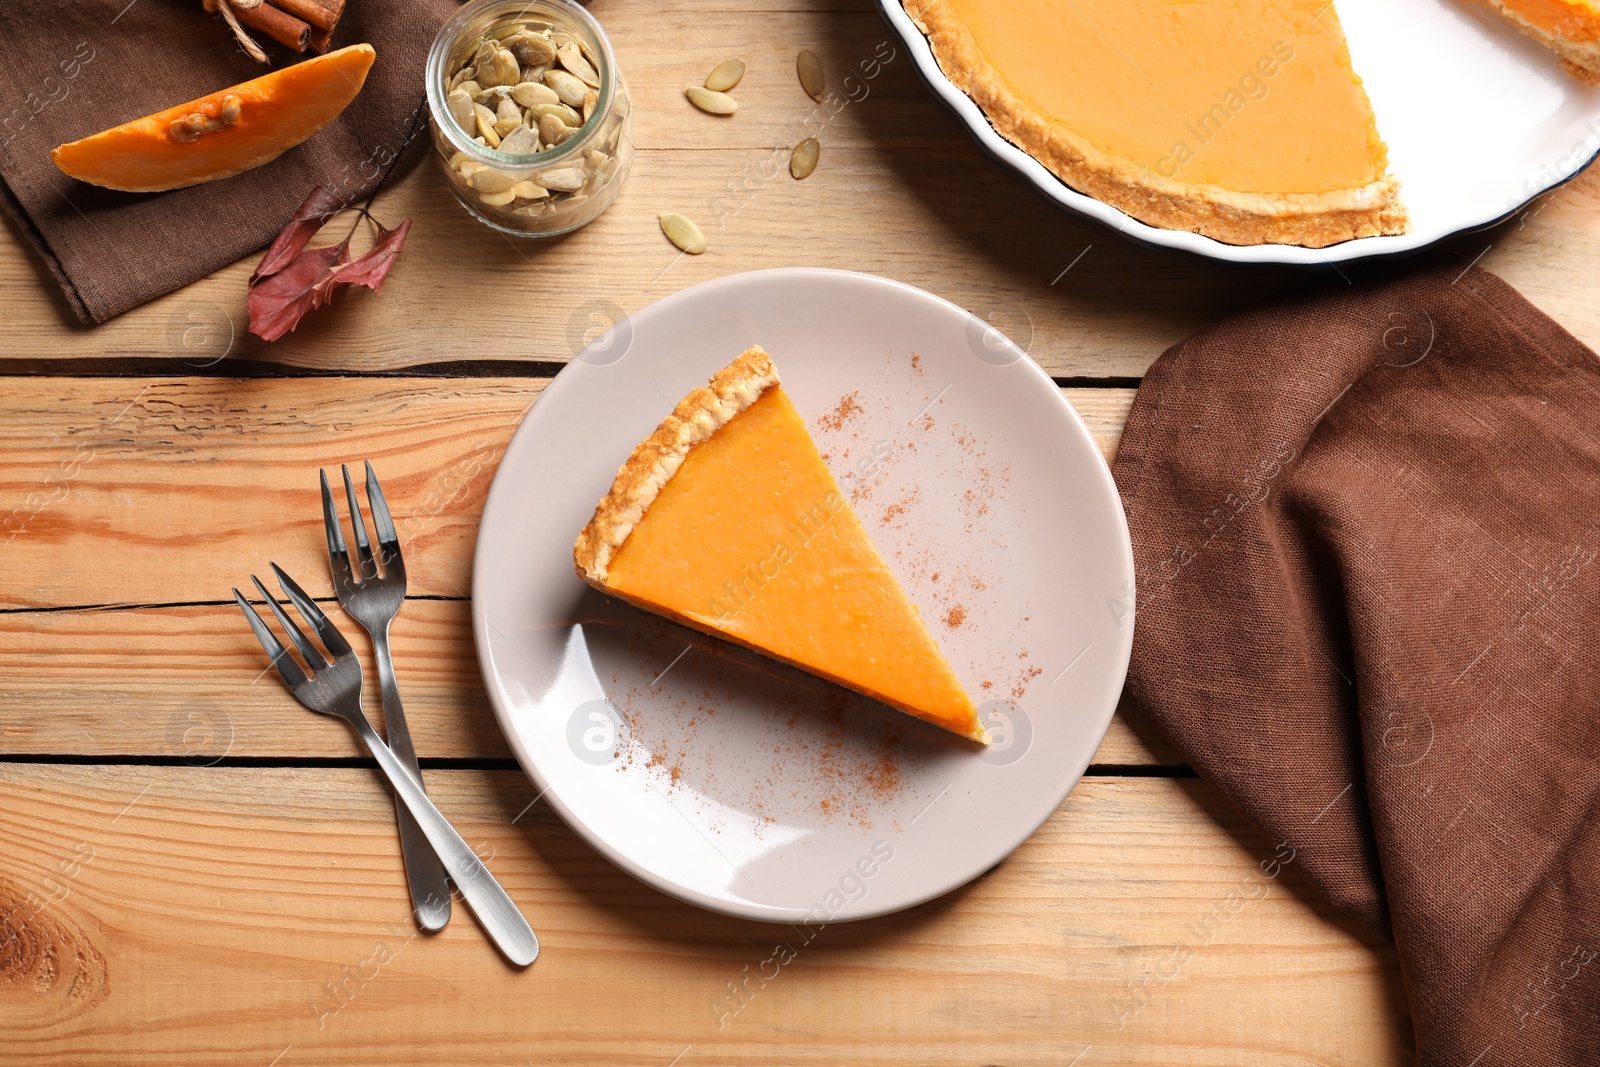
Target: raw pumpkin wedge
{"x":223,"y":134}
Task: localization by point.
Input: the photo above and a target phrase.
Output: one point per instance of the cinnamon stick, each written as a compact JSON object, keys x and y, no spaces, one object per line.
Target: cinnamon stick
{"x":322,"y":15}
{"x":279,"y":25}
{"x":320,"y":40}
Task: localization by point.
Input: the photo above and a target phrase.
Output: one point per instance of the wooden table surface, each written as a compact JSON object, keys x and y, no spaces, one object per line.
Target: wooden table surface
{"x":193,"y":870}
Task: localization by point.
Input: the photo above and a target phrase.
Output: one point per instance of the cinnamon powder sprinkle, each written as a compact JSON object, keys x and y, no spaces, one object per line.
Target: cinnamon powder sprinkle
{"x":848,"y":407}
{"x":955,"y":616}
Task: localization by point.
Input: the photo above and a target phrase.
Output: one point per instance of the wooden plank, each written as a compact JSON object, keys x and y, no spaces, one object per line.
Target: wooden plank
{"x":166,"y":491}
{"x":188,"y":916}
{"x":187,"y":683}
{"x":901,"y":191}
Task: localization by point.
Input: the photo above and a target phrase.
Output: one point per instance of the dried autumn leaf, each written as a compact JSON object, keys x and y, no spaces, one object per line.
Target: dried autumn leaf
{"x":279,"y":301}
{"x":291,"y":281}
{"x":319,"y":207}
{"x":372,"y":267}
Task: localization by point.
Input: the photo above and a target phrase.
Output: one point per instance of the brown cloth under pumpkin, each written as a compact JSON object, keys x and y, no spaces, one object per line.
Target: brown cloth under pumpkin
{"x":77,"y":68}
{"x":1366,"y":525}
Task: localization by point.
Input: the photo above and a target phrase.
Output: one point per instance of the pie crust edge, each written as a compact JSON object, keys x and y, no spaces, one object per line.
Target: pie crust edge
{"x":1312,"y":220}
{"x":657,"y":458}
{"x":1581,"y":59}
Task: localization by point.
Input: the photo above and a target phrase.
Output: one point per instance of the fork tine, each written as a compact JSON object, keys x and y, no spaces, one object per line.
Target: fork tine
{"x":358,"y":527}
{"x":331,"y":637}
{"x":382,"y":522}
{"x":288,"y":669}
{"x":314,"y":658}
{"x":338,"y":556}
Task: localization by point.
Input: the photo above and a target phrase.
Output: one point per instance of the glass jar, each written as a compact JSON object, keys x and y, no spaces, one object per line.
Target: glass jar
{"x":557,"y":176}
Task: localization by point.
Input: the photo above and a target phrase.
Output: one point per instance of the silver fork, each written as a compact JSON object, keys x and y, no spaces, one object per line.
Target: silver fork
{"x":373,"y":600}
{"x":335,"y":689}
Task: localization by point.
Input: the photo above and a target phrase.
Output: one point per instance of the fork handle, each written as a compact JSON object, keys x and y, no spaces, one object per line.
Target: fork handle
{"x":493,"y":907}
{"x":430,"y":893}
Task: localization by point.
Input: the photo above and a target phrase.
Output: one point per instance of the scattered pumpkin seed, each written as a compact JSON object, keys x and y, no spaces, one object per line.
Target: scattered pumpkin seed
{"x":809,"y":67}
{"x":804,"y":158}
{"x":683,"y":233}
{"x":711,"y":101}
{"x":725,"y":75}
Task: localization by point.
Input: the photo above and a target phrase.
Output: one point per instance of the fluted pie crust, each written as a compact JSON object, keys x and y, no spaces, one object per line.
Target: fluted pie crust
{"x":1233,"y":216}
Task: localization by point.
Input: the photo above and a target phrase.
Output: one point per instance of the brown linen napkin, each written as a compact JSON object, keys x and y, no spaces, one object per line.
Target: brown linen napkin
{"x":1366,"y":533}
{"x":77,"y":68}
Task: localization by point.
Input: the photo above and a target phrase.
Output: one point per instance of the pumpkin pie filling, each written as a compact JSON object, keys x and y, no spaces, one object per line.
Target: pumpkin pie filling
{"x":1238,"y":119}
{"x":728,"y":520}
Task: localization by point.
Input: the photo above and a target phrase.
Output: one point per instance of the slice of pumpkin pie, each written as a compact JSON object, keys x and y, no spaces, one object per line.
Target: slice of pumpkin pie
{"x":727,"y":519}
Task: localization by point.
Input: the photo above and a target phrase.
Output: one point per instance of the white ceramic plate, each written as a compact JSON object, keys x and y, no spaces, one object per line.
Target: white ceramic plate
{"x":743,"y":786}
{"x":1478,"y":118}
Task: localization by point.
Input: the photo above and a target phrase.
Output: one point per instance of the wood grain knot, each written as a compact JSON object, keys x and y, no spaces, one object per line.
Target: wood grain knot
{"x":49,"y":970}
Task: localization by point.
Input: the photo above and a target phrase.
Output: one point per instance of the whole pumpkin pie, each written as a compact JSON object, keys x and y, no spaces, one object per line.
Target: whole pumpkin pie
{"x":727,"y":519}
{"x":1238,"y":119}
{"x":1570,"y":28}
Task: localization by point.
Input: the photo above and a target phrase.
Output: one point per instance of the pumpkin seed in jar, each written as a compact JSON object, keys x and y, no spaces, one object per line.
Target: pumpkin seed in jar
{"x":568,"y":88}
{"x":486,"y":121}
{"x":710,"y":101}
{"x":530,"y":93}
{"x":500,"y":68}
{"x":552,"y":131}
{"x":683,"y":233}
{"x":560,"y":111}
{"x":531,"y":49}
{"x":563,"y":179}
{"x":507,"y":117}
{"x":572,"y":59}
{"x":500,"y":199}
{"x":528,"y":190}
{"x":489,"y":180}
{"x":521,"y":141}
{"x":459,"y":103}
{"x":725,"y":75}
